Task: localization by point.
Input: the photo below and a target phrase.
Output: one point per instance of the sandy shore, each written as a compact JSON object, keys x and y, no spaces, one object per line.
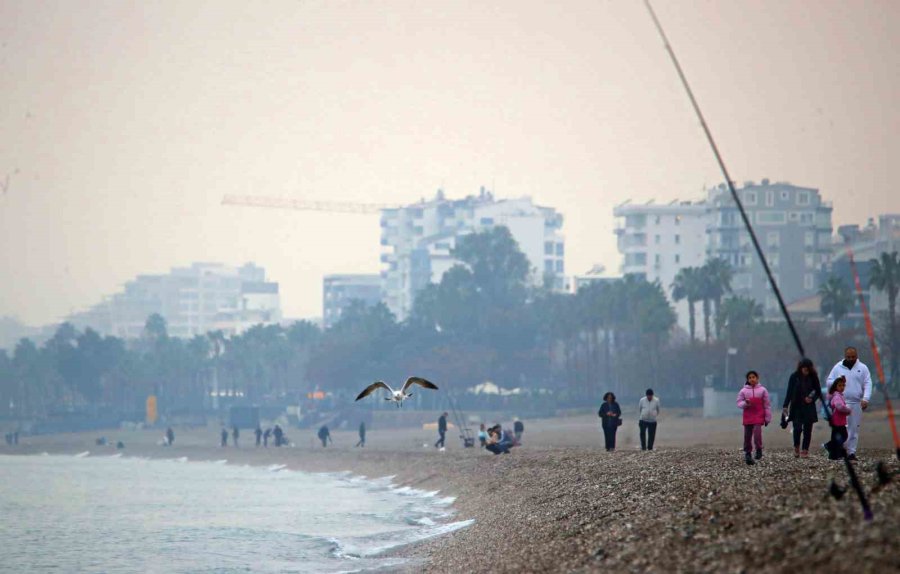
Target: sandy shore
{"x":560,"y":503}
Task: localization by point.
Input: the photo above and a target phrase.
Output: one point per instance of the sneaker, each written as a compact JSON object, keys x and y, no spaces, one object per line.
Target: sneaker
{"x":758,"y":454}
{"x":747,"y":458}
{"x":804,"y":454}
{"x":852,"y":457}
{"x":797,"y":452}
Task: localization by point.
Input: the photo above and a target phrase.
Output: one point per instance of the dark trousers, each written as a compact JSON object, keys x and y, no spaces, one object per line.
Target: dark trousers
{"x":440,"y":441}
{"x":648,"y":434}
{"x":609,"y":436}
{"x":806,"y":430}
{"x":754,"y":432}
{"x":836,"y":445}
{"x":362,"y":441}
{"x":498,"y":448}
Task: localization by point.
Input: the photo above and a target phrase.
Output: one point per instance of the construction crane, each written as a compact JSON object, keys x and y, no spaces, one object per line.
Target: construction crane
{"x":302,"y":204}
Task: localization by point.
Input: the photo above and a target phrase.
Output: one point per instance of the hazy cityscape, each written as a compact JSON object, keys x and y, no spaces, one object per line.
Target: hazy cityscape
{"x":411,"y":286}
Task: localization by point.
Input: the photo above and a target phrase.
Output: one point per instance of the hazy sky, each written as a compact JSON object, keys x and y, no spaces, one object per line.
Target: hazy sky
{"x":124,"y":123}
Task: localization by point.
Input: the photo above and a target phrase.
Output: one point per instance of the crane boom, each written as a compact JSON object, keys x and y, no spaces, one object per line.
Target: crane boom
{"x":288,"y":203}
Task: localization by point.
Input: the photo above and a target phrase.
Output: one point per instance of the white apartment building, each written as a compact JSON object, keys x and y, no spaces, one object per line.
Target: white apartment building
{"x":657,"y":241}
{"x":417,"y":240}
{"x":193,"y":300}
{"x":338,"y":291}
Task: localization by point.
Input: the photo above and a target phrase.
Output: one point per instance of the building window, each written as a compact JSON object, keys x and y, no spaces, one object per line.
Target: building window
{"x":677,"y":239}
{"x":677,"y":220}
{"x":808,"y":281}
{"x":810,"y":260}
{"x":656,"y":258}
{"x":677,"y":258}
{"x":637,"y":221}
{"x":809,"y":239}
{"x":656,"y":239}
{"x":773,"y":239}
{"x":548,"y":248}
{"x":657,"y":220}
{"x":806,"y":218}
{"x":794,"y":216}
{"x":803,"y":198}
{"x":548,"y":265}
{"x":771,"y":217}
{"x":487,"y":221}
{"x":750,"y":197}
{"x":770,"y":198}
{"x":785,"y":195}
{"x":774,"y":259}
{"x":559,"y":266}
{"x":560,"y":249}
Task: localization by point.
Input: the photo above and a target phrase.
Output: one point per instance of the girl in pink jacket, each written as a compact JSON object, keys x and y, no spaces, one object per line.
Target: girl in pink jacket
{"x":839,"y":412}
{"x":753,"y":399}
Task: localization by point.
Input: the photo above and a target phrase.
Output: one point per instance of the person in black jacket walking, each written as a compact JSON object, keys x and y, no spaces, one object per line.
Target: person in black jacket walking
{"x":442,"y":430}
{"x":611,"y":417}
{"x":800,"y":404}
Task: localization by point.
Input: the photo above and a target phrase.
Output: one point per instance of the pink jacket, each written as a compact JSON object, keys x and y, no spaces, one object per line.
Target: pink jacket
{"x":755,"y":403}
{"x":839,"y":410}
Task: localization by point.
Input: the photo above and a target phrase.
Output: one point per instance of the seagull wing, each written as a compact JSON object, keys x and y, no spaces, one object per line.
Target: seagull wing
{"x":371,"y":389}
{"x":418,"y":381}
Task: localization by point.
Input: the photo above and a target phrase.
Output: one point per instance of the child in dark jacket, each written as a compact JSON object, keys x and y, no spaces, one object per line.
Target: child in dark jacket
{"x":753,"y":399}
{"x":839,"y":412}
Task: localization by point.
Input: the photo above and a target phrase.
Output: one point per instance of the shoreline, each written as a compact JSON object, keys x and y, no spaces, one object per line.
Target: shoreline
{"x":558,"y":506}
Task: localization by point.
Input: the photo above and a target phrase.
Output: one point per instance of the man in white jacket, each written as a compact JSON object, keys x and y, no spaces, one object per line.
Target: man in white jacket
{"x":857,"y":394}
{"x":648,"y":410}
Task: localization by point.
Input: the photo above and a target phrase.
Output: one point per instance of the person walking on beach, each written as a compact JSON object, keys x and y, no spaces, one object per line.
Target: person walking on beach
{"x":800,"y":404}
{"x":648,"y":410}
{"x":224,"y":437}
{"x":442,"y":430}
{"x":482,"y":435}
{"x":235,"y":434}
{"x":266,"y":437}
{"x":857,"y":394}
{"x":839,"y":412}
{"x":753,"y":399}
{"x":258,"y":433}
{"x":610,"y":419}
{"x":518,"y":429}
{"x":362,"y":434}
{"x":325,"y":435}
{"x":279,"y":435}
{"x":170,"y":436}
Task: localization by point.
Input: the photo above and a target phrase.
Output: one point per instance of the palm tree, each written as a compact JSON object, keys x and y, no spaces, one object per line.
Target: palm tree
{"x":688,"y":285}
{"x":885,"y":276}
{"x":836,"y":300}
{"x":718,"y":274}
{"x":739,"y":313}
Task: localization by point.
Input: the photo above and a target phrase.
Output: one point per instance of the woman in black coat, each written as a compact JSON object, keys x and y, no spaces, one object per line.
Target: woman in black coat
{"x":611,"y":417}
{"x":800,"y":404}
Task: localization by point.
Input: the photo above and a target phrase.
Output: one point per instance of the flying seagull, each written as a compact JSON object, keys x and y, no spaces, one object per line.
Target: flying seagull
{"x":397,"y":396}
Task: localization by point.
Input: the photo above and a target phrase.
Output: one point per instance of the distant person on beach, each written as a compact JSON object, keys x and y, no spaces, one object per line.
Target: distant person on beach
{"x":518,"y":429}
{"x":753,"y":399}
{"x":170,"y":436}
{"x":224,"y":437}
{"x":120,"y":444}
{"x":800,"y":404}
{"x":442,"y":430}
{"x":8,"y":437}
{"x":857,"y":394}
{"x":16,"y":437}
{"x":258,"y":433}
{"x":482,"y":435}
{"x":235,"y":434}
{"x":325,"y":435}
{"x":498,"y":441}
{"x":279,"y":435}
{"x":266,"y":437}
{"x":648,"y":410}
{"x":610,"y":419}
{"x":839,"y":412}
{"x":362,"y":434}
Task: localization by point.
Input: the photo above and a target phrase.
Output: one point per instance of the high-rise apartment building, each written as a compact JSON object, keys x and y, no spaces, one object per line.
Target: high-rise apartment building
{"x":793,"y":227}
{"x":659,"y":240}
{"x":417,"y":241}
{"x":338,"y":291}
{"x":193,"y":300}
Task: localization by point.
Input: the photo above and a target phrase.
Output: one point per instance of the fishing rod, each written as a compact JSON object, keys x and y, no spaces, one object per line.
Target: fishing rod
{"x":878,"y":368}
{"x":851,"y":472}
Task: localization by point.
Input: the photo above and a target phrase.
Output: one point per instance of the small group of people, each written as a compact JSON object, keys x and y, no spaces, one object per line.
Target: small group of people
{"x":12,"y":438}
{"x":849,"y":391}
{"x":610,"y":414}
{"x":497,"y":440}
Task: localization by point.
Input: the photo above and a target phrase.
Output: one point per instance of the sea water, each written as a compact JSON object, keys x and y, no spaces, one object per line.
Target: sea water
{"x":91,"y":513}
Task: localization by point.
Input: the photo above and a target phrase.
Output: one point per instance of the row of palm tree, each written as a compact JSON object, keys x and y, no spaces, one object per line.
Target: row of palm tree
{"x":707,"y":284}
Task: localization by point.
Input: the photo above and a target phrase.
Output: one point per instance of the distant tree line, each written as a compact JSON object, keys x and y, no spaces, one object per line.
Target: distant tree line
{"x":482,"y":322}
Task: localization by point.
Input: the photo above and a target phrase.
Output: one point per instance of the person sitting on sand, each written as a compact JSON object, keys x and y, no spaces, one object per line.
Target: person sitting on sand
{"x":499,"y":441}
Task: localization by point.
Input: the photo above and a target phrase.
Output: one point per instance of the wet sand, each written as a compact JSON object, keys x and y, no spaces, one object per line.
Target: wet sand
{"x":560,"y":503}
